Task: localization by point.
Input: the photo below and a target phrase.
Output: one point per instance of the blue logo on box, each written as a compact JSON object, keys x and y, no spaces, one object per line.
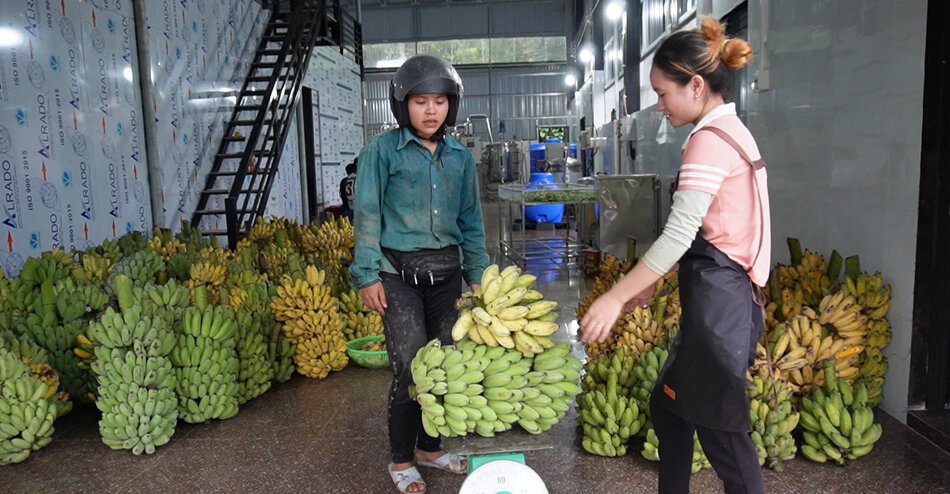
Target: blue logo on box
{"x":67,"y":179}
{"x":119,"y":129}
{"x":21,"y":118}
{"x":53,"y":63}
{"x":34,"y":240}
{"x":111,"y":26}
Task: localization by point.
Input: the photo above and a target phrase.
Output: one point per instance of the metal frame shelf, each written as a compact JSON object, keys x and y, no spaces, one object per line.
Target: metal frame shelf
{"x":559,"y":251}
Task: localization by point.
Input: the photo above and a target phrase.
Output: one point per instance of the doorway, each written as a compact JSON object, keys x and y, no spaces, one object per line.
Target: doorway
{"x":929,"y":390}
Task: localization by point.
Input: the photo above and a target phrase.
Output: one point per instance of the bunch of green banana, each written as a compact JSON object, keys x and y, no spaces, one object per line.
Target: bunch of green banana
{"x":27,"y":410}
{"x":772,"y":420}
{"x":136,"y":378}
{"x":471,"y":387}
{"x":206,"y":362}
{"x":171,"y":295}
{"x":874,"y":366}
{"x":505,"y":311}
{"x":179,"y":265}
{"x":209,"y":389}
{"x":651,"y":451}
{"x":281,"y":353}
{"x":837,"y":422}
{"x":647,"y":371}
{"x":132,"y":242}
{"x":142,"y":267}
{"x":608,"y":413}
{"x":256,"y":371}
{"x":52,"y":265}
{"x":17,"y":300}
{"x":871,"y":294}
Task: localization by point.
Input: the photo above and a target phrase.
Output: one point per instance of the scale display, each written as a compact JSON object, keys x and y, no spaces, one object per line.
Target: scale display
{"x":503,"y":477}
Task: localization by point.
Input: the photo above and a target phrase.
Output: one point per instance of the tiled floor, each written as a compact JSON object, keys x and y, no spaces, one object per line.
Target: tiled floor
{"x":316,"y":436}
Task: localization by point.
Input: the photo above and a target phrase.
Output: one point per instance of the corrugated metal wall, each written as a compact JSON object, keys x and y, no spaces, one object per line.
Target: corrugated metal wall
{"x":432,"y":22}
{"x":521,"y":97}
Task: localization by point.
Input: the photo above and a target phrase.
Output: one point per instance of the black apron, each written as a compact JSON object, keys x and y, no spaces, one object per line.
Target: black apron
{"x":704,"y":378}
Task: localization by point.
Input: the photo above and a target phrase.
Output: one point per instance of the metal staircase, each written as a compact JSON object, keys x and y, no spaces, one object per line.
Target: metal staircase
{"x":247,"y":159}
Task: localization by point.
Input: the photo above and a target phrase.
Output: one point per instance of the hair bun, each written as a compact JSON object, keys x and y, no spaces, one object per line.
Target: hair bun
{"x":734,"y":53}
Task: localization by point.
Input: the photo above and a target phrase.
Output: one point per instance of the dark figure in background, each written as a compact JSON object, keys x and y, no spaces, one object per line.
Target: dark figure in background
{"x":348,"y":189}
{"x":718,"y":231}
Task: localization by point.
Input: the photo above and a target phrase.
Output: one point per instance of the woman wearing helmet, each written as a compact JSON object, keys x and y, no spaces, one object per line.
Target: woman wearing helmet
{"x":419,"y":234}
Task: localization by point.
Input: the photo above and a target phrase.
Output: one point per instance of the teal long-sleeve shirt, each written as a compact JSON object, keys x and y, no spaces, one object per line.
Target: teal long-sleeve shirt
{"x":409,"y":199}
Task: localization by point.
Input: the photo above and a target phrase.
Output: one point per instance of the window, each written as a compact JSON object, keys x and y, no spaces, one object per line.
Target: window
{"x":387,"y":54}
{"x":546,"y":132}
{"x":470,"y":51}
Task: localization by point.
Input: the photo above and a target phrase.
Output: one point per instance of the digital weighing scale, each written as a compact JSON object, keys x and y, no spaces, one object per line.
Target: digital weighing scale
{"x":496,"y":465}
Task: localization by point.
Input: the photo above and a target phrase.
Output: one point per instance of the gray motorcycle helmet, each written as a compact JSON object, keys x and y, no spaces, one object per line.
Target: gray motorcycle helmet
{"x":425,"y":74}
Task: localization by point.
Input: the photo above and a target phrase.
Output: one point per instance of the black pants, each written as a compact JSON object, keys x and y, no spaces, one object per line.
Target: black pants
{"x":414,"y":316}
{"x":731,"y":454}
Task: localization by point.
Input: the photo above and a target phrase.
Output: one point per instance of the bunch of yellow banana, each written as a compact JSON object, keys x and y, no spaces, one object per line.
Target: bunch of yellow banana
{"x":844,"y":314}
{"x":471,"y":387}
{"x":92,"y":267}
{"x":311,"y":322}
{"x":879,"y":333}
{"x":41,"y":368}
{"x":506,"y":311}
{"x":611,"y":270}
{"x":332,"y":239}
{"x":317,"y":356}
{"x":609,"y":414}
{"x":772,"y":420}
{"x":264,"y":230}
{"x":837,"y":423}
{"x":873,"y":363}
{"x":166,"y":248}
{"x":639,"y":332}
{"x":792,"y":302}
{"x":208,"y":274}
{"x":297,"y":297}
{"x":651,"y":451}
{"x":27,"y":410}
{"x":871,"y":294}
{"x":358,"y":320}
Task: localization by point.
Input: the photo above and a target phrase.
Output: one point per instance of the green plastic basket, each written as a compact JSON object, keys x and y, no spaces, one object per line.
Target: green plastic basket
{"x":371,"y":360}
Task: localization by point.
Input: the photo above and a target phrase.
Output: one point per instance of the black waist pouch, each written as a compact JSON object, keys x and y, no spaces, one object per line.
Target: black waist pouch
{"x":425,"y":267}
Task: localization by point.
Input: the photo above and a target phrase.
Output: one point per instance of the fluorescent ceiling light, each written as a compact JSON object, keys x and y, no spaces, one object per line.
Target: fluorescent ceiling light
{"x":586,"y":55}
{"x":10,"y":37}
{"x":614,"y":10}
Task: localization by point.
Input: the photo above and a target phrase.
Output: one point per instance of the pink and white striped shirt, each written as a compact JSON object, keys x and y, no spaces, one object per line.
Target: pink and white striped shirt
{"x":735,"y":222}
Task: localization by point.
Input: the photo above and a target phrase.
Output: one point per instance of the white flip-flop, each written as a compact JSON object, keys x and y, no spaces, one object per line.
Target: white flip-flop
{"x":449,"y":462}
{"x":404,"y":478}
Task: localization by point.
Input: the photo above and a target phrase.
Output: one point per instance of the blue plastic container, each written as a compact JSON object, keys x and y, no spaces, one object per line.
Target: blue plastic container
{"x":549,"y":213}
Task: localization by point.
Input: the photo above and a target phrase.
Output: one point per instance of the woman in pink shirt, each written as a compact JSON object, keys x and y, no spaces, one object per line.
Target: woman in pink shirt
{"x":718,"y":232}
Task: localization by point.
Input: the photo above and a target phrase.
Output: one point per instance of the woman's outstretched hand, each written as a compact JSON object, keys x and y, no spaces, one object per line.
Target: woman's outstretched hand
{"x":600,"y":318}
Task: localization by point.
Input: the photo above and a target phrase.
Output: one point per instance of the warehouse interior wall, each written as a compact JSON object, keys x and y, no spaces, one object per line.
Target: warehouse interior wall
{"x":840,"y":126}
{"x":71,"y":128}
{"x":73,"y":122}
{"x":338,"y":122}
{"x":390,"y":23}
{"x":200,"y":53}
